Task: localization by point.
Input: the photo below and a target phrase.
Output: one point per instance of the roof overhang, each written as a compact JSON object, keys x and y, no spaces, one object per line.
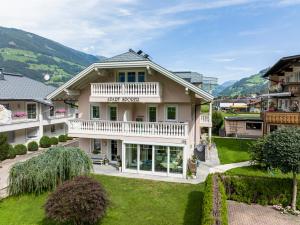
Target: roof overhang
{"x":282,"y":65}
{"x":282,"y":94}
{"x":148,"y":64}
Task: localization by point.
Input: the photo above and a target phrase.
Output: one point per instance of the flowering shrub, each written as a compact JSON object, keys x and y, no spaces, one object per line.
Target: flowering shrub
{"x":20,"y":114}
{"x":60,"y":111}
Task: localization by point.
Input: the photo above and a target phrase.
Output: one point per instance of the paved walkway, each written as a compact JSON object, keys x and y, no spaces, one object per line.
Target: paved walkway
{"x":244,"y":214}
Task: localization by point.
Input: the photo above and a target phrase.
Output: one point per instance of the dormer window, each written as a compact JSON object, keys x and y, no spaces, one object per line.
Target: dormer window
{"x":131,"y":76}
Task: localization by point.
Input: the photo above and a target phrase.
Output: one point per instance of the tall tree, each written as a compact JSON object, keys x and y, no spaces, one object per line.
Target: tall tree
{"x":281,"y":150}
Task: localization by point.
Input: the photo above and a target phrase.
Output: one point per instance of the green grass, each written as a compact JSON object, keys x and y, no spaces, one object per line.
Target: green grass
{"x":232,"y":150}
{"x":252,"y":115}
{"x":258,"y":172}
{"x":133,"y":201}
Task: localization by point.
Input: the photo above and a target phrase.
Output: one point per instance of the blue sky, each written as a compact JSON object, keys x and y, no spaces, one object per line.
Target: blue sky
{"x":229,"y":39}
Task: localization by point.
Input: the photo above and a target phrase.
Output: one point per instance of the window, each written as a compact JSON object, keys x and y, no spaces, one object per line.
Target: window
{"x":161,"y":159}
{"x":141,"y":76}
{"x":171,"y":113}
{"x":10,"y":136}
{"x":51,"y":111}
{"x":31,"y":133}
{"x":53,"y":129}
{"x":113,"y":113}
{"x":131,"y":76}
{"x":95,"y":112}
{"x":152,"y":113}
{"x":146,"y":157}
{"x":31,"y":111}
{"x":253,"y":126}
{"x":121,"y":77}
{"x":96,"y":146}
{"x":131,"y":156}
{"x":176,"y":160}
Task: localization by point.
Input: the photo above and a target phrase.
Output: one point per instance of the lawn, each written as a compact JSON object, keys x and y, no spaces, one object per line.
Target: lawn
{"x":133,"y":201}
{"x":232,"y":150}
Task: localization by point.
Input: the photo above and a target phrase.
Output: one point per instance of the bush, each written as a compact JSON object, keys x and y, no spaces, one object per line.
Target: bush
{"x":54,"y":140}
{"x":261,"y":190}
{"x":69,"y":138}
{"x":223,"y":209}
{"x":217,"y":122}
{"x":79,"y":201}
{"x":45,"y":142}
{"x":20,"y":149}
{"x":46,"y":171}
{"x":33,"y":146}
{"x":62,"y":138}
{"x":207,"y":210}
{"x":4,"y":147}
{"x":11,"y":152}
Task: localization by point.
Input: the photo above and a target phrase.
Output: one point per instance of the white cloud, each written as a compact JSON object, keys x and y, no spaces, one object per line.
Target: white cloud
{"x":223,"y":59}
{"x":288,"y":2}
{"x":239,"y":68}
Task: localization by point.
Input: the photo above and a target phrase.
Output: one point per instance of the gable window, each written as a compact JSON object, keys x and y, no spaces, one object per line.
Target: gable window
{"x":131,"y":76}
{"x":171,"y":113}
{"x":31,"y":111}
{"x":95,"y":112}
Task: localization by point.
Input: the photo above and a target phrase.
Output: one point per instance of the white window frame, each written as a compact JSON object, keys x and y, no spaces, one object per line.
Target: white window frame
{"x":91,"y":111}
{"x":37,"y":110}
{"x":147,"y":111}
{"x":166,"y":112}
{"x":126,"y":75}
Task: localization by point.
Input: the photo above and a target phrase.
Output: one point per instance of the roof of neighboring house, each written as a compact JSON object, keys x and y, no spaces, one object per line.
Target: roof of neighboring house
{"x":192,"y":77}
{"x":237,"y":118}
{"x":233,"y":105}
{"x":282,"y":64}
{"x":127,"y":57}
{"x":18,"y":87}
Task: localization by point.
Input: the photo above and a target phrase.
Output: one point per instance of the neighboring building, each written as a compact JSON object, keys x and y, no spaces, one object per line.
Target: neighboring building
{"x":32,"y":116}
{"x":282,"y":101}
{"x":132,"y":108}
{"x":243,"y":127}
{"x":205,"y":83}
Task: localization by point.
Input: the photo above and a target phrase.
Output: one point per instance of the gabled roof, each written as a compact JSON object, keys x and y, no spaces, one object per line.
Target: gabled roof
{"x":137,"y":62}
{"x":126,"y":57}
{"x":18,"y":87}
{"x":192,"y":77}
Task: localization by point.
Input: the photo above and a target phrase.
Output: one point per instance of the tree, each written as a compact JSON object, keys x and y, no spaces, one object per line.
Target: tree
{"x":217,"y":121}
{"x":281,"y":150}
{"x":4,"y":147}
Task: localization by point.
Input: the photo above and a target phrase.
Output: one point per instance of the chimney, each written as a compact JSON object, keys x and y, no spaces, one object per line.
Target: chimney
{"x":1,"y":74}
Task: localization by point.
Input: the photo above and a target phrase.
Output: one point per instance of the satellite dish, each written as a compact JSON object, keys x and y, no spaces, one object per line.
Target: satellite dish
{"x":46,"y":77}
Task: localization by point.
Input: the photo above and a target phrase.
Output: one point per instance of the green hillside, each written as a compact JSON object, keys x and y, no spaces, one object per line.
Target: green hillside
{"x":254,"y":84}
{"x":33,"y":56}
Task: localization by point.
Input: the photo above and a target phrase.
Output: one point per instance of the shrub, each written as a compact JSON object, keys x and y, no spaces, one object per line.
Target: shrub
{"x":54,"y":140}
{"x":207,"y":210}
{"x":4,"y":147}
{"x":46,"y":171}
{"x":33,"y":146}
{"x":62,"y":138}
{"x":79,"y":201}
{"x":69,"y":138}
{"x":20,"y":149}
{"x":217,"y":121}
{"x":45,"y":142}
{"x":223,"y":209}
{"x":11,"y":152}
{"x":261,"y":190}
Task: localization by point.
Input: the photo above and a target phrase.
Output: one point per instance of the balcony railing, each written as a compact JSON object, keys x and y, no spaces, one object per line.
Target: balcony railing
{"x":143,"y":89}
{"x":205,"y":120}
{"x":131,"y":128}
{"x":282,"y":117}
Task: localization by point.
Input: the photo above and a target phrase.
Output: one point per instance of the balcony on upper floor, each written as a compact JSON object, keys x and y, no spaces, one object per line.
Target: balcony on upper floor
{"x":205,"y":120}
{"x":281,"y":117}
{"x":126,"y":92}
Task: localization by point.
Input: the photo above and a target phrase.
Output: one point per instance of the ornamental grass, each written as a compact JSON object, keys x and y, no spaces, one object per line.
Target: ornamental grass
{"x":46,"y":171}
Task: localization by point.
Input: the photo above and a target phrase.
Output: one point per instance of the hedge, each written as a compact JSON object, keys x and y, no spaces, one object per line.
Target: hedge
{"x":224,"y":212}
{"x":207,"y":205}
{"x":33,"y":146}
{"x":20,"y":149}
{"x":54,"y":141}
{"x":62,"y":138}
{"x":260,"y":190}
{"x":11,"y":152}
{"x":45,"y":142}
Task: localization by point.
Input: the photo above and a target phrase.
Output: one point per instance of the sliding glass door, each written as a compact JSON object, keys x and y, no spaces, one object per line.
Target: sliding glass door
{"x":146,"y":157}
{"x":161,"y":159}
{"x":131,"y":156}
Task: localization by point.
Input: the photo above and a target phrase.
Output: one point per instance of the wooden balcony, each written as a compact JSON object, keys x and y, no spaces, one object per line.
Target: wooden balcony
{"x":128,"y":128}
{"x":126,"y":92}
{"x":281,"y":117}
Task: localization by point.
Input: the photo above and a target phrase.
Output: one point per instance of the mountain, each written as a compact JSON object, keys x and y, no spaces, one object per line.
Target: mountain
{"x":217,"y":90}
{"x":33,"y":56}
{"x":254,"y":84}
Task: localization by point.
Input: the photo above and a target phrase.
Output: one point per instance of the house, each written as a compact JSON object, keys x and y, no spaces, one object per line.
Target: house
{"x":131,"y":108}
{"x":203,"y":82}
{"x":282,"y":102}
{"x":247,"y":127}
{"x":31,"y":115}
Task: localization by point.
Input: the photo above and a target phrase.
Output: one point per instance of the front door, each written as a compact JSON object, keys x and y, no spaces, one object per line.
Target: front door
{"x":113,"y":150}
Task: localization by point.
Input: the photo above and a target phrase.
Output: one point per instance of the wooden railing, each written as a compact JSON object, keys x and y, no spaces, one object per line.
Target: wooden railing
{"x":131,"y":128}
{"x":143,"y":89}
{"x":282,"y":117}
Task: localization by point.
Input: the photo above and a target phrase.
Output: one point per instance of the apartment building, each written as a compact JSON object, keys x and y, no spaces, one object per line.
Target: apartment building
{"x":31,"y":115}
{"x":281,"y":104}
{"x":131,"y":108}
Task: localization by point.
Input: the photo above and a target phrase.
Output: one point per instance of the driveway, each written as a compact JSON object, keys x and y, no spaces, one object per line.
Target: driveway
{"x":244,"y":214}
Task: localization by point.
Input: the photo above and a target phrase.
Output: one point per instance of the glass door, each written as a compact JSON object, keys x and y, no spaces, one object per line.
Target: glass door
{"x":152,"y":113}
{"x":113,"y":150}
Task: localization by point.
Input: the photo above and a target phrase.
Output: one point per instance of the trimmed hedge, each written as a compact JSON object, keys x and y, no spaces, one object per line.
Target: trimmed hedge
{"x":20,"y":149}
{"x":11,"y":152}
{"x":261,"y":190}
{"x":69,"y":138}
{"x":207,"y":210}
{"x":45,"y":142}
{"x":223,"y":209}
{"x":62,"y":138}
{"x":54,"y":140}
{"x":33,"y":146}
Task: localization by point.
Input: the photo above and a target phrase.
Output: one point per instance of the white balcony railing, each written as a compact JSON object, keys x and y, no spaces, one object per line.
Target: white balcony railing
{"x":131,"y":128}
{"x":205,"y":120}
{"x":143,"y":89}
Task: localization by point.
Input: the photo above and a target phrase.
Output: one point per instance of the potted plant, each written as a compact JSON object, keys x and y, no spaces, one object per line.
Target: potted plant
{"x":119,"y":163}
{"x":106,"y":161}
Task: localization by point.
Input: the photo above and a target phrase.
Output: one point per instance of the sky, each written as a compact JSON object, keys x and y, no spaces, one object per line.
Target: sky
{"x":228,"y":39}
